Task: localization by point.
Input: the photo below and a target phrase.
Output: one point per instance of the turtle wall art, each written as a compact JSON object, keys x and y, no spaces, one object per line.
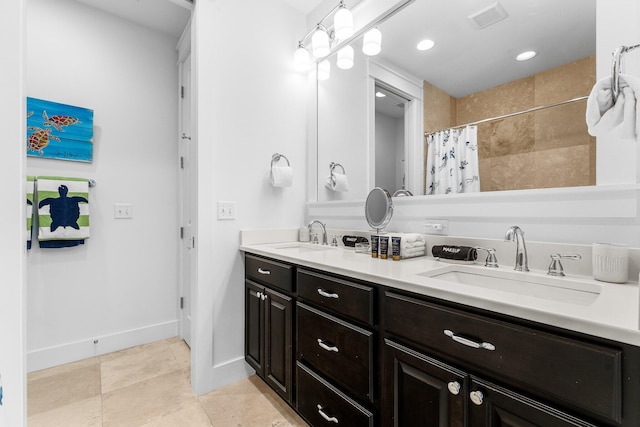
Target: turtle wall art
{"x":59,"y":131}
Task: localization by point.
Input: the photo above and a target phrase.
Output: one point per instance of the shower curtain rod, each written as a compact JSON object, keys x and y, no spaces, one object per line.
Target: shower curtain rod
{"x":530,"y":110}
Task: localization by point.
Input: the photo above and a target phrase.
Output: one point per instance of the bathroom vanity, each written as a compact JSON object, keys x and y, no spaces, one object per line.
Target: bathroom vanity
{"x":350,"y":340}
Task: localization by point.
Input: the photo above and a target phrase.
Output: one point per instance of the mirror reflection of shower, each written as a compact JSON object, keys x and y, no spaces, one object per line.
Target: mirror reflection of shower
{"x":390,"y":139}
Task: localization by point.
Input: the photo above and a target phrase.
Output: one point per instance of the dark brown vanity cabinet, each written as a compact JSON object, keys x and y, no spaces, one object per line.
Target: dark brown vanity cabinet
{"x":268,"y":322}
{"x":336,"y":351}
{"x":450,"y":354}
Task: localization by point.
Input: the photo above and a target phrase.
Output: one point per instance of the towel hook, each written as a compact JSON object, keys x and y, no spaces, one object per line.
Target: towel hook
{"x":616,"y":69}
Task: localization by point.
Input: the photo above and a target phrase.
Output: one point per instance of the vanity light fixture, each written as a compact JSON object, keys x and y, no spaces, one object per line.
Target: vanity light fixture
{"x":343,"y":22}
{"x":345,"y":58}
{"x":320,"y":42}
{"x":324,"y":70}
{"x":323,"y":39}
{"x":372,"y":42}
{"x":525,"y":56}
{"x":425,"y":44}
{"x":301,"y":59}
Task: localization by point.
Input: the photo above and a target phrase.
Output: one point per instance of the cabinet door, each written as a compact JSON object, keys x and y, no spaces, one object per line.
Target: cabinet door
{"x":278,"y":345}
{"x":493,"y":406}
{"x":421,"y":391}
{"x":254,"y":326}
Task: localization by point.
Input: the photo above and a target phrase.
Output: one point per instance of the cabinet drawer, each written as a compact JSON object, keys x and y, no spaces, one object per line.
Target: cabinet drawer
{"x":339,"y":296}
{"x":273,"y":273}
{"x":554,"y":367}
{"x":321,"y":404}
{"x":340,"y":351}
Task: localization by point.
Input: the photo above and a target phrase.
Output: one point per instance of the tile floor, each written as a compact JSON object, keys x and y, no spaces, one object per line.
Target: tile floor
{"x":148,"y":386}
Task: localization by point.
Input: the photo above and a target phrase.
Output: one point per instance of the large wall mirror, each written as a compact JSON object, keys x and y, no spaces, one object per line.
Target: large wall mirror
{"x":470,"y":75}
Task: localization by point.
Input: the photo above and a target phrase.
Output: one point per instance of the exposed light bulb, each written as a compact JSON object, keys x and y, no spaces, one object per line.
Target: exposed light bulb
{"x":343,"y":23}
{"x":380,"y":95}
{"x":301,"y":59}
{"x":345,"y":58}
{"x":372,"y":42}
{"x":525,"y":56}
{"x":324,"y":70}
{"x":320,"y":43}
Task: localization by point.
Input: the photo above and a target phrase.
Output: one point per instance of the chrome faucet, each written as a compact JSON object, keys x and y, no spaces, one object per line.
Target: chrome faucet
{"x":515,"y":234}
{"x":324,"y":230}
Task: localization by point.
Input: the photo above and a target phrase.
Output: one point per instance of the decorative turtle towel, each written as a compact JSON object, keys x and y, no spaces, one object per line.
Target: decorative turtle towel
{"x":63,"y":211}
{"x":30,"y":188}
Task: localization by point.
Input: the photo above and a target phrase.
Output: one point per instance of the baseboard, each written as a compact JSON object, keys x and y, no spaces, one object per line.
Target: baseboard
{"x":71,"y":352}
{"x":230,"y":371}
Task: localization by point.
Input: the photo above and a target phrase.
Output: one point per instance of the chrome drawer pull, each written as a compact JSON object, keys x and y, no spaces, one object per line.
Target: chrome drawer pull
{"x":259,"y":295}
{"x":261,"y":271}
{"x":326,"y":347}
{"x":454,"y":387}
{"x":327,"y":294}
{"x":469,"y":343}
{"x":325,"y":416}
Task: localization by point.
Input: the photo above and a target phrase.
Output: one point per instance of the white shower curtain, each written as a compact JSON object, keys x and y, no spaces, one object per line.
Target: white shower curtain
{"x":452,"y":161}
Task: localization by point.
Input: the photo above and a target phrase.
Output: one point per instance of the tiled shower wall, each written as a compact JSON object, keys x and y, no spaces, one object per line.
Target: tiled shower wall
{"x":544,"y":149}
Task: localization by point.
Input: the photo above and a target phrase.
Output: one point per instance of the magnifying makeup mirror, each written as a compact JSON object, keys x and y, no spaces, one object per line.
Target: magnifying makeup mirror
{"x":378,"y":209}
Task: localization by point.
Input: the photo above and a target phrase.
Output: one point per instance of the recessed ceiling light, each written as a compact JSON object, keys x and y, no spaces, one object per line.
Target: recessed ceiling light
{"x":380,"y":95}
{"x":525,"y":56}
{"x":425,"y":45}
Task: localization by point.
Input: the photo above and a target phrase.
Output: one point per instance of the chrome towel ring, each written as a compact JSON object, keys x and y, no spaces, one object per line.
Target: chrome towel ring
{"x":616,"y":69}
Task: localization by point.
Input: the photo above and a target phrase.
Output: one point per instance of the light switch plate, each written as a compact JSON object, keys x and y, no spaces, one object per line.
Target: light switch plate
{"x":226,"y":210}
{"x":123,"y":211}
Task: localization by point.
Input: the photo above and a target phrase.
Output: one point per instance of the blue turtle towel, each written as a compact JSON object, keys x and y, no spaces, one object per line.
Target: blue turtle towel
{"x":63,"y":211}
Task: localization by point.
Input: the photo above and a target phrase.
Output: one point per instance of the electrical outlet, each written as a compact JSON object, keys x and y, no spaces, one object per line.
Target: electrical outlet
{"x":226,"y":210}
{"x":436,"y":226}
{"x":123,"y":210}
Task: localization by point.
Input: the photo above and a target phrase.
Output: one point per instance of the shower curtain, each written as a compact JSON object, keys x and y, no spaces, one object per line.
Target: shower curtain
{"x":452,"y":161}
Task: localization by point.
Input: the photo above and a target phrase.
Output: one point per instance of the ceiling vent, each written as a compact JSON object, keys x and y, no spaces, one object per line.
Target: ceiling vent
{"x":488,"y":16}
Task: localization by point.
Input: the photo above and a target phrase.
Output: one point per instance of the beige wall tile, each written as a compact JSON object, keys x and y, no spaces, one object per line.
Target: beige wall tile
{"x":562,"y":126}
{"x":514,"y":172}
{"x":565,"y":82}
{"x":563,"y":167}
{"x":437,"y":109}
{"x":514,"y":135}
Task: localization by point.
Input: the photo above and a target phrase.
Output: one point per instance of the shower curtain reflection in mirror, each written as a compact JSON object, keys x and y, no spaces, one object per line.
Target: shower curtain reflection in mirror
{"x":452,"y":161}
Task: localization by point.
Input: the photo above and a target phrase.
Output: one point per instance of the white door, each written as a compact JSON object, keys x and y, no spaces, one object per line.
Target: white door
{"x":186,"y":202}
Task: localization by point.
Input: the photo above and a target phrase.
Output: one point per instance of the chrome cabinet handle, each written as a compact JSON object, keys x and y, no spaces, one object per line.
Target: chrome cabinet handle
{"x":326,"y":347}
{"x":264,"y":297}
{"x":454,"y":387}
{"x":325,"y":416}
{"x":476,"y":397}
{"x":261,"y":271}
{"x":327,"y":294}
{"x":259,"y":295}
{"x":468,"y":342}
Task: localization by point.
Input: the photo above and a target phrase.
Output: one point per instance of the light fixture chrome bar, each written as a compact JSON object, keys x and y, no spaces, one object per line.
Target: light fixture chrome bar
{"x":320,"y":24}
{"x":505,"y":116}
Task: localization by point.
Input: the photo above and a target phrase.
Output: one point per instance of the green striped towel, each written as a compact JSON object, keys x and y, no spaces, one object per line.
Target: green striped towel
{"x":29,"y":211}
{"x":63,"y":211}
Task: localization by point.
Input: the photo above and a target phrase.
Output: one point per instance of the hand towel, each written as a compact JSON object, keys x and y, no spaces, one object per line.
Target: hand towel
{"x":337,"y":182}
{"x":412,"y":237}
{"x":412,"y":252}
{"x":63,"y":211}
{"x":458,"y":253}
{"x":603,"y":116}
{"x":29,"y":211}
{"x":281,"y":176}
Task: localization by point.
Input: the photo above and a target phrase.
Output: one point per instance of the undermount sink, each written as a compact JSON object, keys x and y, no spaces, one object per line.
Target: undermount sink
{"x":303,"y":247}
{"x":562,"y":289}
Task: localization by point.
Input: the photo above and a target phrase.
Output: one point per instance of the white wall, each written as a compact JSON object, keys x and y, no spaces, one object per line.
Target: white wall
{"x":12,"y":252}
{"x":121,"y":286}
{"x":250,"y":104}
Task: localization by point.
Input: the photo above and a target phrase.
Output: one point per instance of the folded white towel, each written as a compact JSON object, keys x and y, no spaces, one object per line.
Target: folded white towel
{"x":412,"y":252}
{"x":416,"y":244}
{"x":412,"y":237}
{"x":281,"y":176}
{"x":337,"y":182}
{"x":603,"y":116}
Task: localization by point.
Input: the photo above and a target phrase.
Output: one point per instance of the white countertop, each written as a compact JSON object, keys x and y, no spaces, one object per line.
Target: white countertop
{"x":612,"y":315}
